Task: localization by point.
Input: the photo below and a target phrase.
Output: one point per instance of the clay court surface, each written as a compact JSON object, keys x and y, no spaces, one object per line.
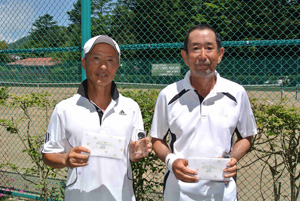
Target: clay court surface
{"x":248,"y":177}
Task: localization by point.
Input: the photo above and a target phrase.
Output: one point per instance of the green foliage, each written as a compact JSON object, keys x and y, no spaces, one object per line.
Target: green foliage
{"x":3,"y":95}
{"x":146,"y":98}
{"x":46,"y":34}
{"x":149,"y":167}
{"x":3,"y":58}
{"x":31,"y":138}
{"x":74,"y":28}
{"x":278,"y":144}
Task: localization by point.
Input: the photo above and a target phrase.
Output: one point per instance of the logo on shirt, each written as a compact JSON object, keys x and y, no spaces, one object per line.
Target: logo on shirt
{"x":122,"y":112}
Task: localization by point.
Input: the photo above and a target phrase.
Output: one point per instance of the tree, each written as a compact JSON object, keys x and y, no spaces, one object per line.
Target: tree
{"x":3,"y":57}
{"x":144,"y":22}
{"x":74,"y":28}
{"x":46,"y":34}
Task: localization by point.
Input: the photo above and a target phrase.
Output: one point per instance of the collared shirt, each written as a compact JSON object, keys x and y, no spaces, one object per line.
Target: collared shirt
{"x":103,"y":178}
{"x":201,"y":128}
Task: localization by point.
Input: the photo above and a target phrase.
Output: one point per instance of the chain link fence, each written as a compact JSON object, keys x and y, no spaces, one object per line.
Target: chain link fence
{"x":40,"y":43}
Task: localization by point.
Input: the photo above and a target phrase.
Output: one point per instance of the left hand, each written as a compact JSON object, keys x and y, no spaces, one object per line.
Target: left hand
{"x":137,"y":157}
{"x":231,"y":169}
{"x":183,"y":173}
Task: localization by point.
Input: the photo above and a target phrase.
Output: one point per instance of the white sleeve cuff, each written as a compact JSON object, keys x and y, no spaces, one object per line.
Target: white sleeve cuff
{"x":170,"y":160}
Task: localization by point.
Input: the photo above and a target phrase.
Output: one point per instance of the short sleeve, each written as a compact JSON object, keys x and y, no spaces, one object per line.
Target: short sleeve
{"x":137,"y":121}
{"x":246,"y":125}
{"x":160,"y":126}
{"x":55,"y":139}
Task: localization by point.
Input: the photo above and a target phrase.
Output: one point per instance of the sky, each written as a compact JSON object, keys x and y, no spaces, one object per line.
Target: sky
{"x":17,"y":16}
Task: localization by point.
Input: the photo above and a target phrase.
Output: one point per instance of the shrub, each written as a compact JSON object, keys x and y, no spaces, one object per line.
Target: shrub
{"x":278,"y":144}
{"x":145,"y":170}
{"x":31,"y":137}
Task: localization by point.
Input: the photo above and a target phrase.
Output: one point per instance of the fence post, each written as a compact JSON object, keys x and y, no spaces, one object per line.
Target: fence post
{"x":85,"y":27}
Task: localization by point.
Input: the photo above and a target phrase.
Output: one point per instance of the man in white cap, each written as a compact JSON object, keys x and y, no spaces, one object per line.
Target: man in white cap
{"x":93,"y":132}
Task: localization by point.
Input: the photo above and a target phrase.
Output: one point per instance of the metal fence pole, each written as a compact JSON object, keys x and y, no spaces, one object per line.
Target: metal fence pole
{"x":85,"y":27}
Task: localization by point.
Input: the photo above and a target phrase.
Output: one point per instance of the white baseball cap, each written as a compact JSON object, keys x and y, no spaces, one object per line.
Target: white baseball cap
{"x":89,"y":45}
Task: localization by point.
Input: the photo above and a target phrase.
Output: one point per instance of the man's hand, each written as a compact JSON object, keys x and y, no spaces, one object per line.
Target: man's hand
{"x":240,"y":148}
{"x":76,"y":158}
{"x":135,"y":157}
{"x":183,"y":173}
{"x":231,"y":169}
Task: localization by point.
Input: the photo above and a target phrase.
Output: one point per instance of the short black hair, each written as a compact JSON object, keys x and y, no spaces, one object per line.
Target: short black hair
{"x":201,"y":27}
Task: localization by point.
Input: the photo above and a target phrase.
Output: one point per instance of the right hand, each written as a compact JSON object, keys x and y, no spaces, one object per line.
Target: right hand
{"x":135,"y":157}
{"x":183,"y":173}
{"x":76,"y":159}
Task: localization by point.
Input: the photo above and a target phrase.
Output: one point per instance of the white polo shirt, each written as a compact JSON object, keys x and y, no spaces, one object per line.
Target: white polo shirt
{"x":201,"y":129}
{"x":103,"y":178}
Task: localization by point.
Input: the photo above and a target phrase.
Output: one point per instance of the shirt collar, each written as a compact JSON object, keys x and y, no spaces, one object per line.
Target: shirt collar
{"x":218,"y":88}
{"x":82,"y":90}
{"x":187,"y":81}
